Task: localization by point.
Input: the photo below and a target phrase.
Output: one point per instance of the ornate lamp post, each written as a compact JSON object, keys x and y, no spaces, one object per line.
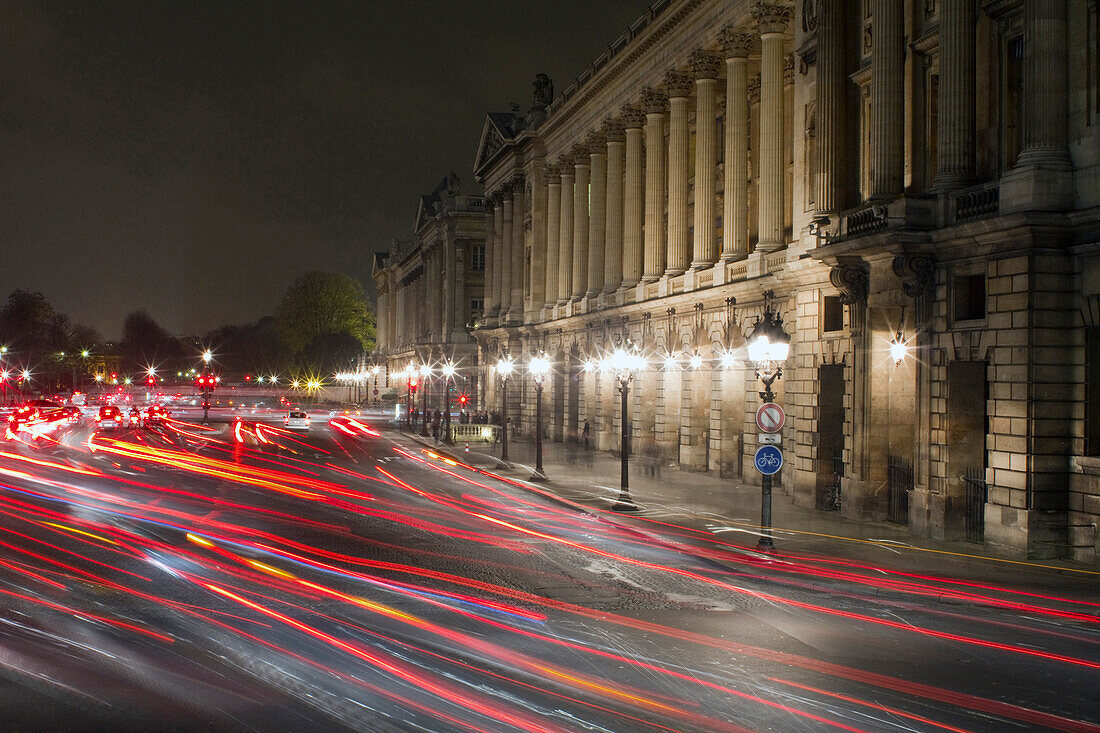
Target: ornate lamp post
{"x":448,"y":370}
{"x":625,"y":362}
{"x":504,"y":369}
{"x":768,"y":348}
{"x":539,"y":368}
{"x":425,"y":372}
{"x":374,"y":394}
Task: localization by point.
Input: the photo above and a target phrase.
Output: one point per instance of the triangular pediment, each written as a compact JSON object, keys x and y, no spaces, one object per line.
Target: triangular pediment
{"x":495,"y":135}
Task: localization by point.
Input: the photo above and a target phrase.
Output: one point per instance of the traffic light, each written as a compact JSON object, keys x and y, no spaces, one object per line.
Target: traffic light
{"x":151,"y":381}
{"x":463,"y":399}
{"x":412,"y":385}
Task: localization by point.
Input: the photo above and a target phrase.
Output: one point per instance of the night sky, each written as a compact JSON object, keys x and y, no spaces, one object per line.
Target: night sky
{"x":193,"y":158}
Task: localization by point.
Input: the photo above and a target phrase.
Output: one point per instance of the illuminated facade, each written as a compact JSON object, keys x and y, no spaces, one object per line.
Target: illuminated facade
{"x":430,"y":290}
{"x":921,"y":172}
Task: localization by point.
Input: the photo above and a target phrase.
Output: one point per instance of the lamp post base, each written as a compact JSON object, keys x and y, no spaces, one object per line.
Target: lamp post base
{"x":540,"y":477}
{"x":624,"y":504}
{"x":766,"y":544}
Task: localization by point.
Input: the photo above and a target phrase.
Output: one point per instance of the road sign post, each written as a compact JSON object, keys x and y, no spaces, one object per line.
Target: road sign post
{"x":768,"y":460}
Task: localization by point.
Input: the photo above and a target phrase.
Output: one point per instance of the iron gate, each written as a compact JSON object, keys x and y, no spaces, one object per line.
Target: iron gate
{"x":830,"y":497}
{"x":900,"y":482}
{"x":976,"y":494}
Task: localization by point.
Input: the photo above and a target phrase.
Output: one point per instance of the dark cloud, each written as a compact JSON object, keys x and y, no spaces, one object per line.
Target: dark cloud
{"x":193,"y":158}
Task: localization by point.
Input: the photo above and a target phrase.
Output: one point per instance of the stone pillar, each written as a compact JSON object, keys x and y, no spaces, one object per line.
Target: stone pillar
{"x":499,"y":258}
{"x":613,"y":232}
{"x":597,"y":158}
{"x":956,"y":125}
{"x":679,"y":86}
{"x":832,"y":123}
{"x":704,"y":67}
{"x":565,"y":243}
{"x":633,"y":196}
{"x":772,"y":21}
{"x":735,"y":201}
{"x":451,"y":279}
{"x":536,"y":270}
{"x":515,"y":312}
{"x":1045,"y":82}
{"x":492,"y":304}
{"x":887,"y":98}
{"x":851,"y":278}
{"x":506,"y":273}
{"x":581,"y":172}
{"x":553,"y":233}
{"x":655,"y":104}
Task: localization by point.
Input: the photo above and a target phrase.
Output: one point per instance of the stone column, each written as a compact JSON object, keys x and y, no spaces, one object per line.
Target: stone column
{"x":515,"y":313}
{"x":581,"y":173}
{"x":492,"y":305}
{"x":887,"y":98}
{"x":613,"y":231}
{"x":553,"y":233}
{"x":655,"y":104}
{"x":536,"y":270}
{"x":772,"y":21}
{"x":704,"y":67}
{"x":831,"y":132}
{"x":597,"y":158}
{"x":565,"y":240}
{"x":1045,"y":78}
{"x":506,"y":273}
{"x":956,"y":125}
{"x":633,"y":196}
{"x":735,"y":201}
{"x":679,"y":86}
{"x":451,"y":278}
{"x":499,"y":259}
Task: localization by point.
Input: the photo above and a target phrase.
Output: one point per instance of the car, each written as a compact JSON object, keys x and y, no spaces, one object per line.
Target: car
{"x":72,"y":413}
{"x":156,"y":415}
{"x":347,"y":409}
{"x":109,"y":418}
{"x":296,"y":420}
{"x":24,"y":415}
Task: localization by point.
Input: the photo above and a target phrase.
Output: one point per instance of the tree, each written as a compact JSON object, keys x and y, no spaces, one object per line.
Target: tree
{"x":145,"y":343}
{"x":318,"y":308}
{"x":25,"y":321}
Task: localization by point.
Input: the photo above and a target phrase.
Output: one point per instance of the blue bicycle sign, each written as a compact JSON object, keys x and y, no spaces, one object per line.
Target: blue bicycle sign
{"x":768,"y":459}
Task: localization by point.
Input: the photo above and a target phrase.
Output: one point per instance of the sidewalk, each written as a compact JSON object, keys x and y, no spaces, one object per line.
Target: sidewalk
{"x":729,"y":510}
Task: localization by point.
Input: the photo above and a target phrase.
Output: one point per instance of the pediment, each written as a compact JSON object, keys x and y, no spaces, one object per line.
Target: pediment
{"x":493,"y":139}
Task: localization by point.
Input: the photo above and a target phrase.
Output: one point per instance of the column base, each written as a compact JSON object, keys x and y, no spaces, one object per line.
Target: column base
{"x":701,"y":265}
{"x":674,"y":271}
{"x":1040,"y":186}
{"x":1031,"y":534}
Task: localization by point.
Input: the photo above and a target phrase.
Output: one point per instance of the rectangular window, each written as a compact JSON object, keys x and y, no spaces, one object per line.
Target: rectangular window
{"x":969,"y":297}
{"x":477,"y":307}
{"x":1092,"y":391}
{"x":478,"y":257}
{"x":832,"y":314}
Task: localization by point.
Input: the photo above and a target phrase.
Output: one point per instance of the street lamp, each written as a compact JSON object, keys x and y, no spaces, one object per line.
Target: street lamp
{"x":625,"y":362}
{"x":425,"y":372}
{"x":768,"y":348}
{"x":504,"y":369}
{"x":448,"y":370}
{"x":539,"y":368}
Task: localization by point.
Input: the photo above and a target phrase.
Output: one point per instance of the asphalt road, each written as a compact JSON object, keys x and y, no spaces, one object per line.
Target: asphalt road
{"x":248,"y":578}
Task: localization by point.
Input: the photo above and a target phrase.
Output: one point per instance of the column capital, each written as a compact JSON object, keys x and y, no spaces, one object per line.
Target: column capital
{"x":552,"y":174}
{"x":579,"y":154}
{"x":852,"y":279}
{"x":565,"y":164}
{"x":655,"y":102}
{"x":506,"y":191}
{"x":612,"y":129}
{"x":518,"y":181}
{"x":633,"y":115}
{"x":596,"y":142}
{"x":771,"y":18}
{"x":679,"y":83}
{"x":704,"y":64}
{"x":736,"y":42}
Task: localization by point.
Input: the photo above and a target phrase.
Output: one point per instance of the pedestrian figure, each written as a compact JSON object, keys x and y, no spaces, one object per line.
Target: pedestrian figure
{"x":586,"y":434}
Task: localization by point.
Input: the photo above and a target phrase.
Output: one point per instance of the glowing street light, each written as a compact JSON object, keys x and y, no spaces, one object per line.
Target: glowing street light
{"x":898,"y":349}
{"x":625,"y":361}
{"x":539,"y":368}
{"x":768,"y":348}
{"x":505,"y":366}
{"x":207,"y":356}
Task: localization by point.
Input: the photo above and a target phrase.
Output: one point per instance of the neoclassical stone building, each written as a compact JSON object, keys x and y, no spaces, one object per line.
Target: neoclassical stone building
{"x":923,"y":172}
{"x":431,"y":289}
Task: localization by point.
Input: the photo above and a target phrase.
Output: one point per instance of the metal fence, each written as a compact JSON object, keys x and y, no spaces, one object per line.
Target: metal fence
{"x":900,"y":482}
{"x":976,"y":494}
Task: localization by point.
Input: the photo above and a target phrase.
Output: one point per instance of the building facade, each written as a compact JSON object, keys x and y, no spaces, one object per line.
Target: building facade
{"x":891,"y":177}
{"x":431,"y":291}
